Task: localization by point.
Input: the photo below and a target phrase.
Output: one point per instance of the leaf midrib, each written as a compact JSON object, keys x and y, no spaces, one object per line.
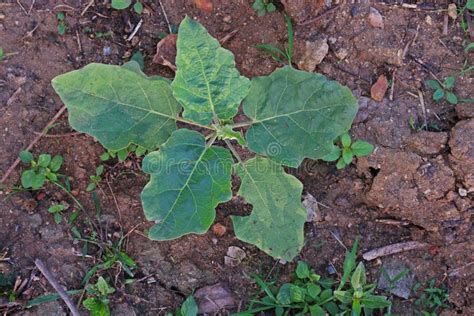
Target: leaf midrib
{"x":186,"y":184}
{"x":121,"y":103}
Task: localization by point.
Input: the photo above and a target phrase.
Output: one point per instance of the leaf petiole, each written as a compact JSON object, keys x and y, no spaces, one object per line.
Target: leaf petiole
{"x":234,"y":151}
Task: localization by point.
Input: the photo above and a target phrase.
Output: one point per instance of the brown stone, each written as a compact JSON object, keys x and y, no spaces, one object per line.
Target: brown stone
{"x":377,"y":91}
{"x":427,"y":143}
{"x":219,"y":229}
{"x":462,"y":152}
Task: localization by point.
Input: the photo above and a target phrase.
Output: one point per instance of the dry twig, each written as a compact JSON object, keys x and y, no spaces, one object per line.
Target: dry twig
{"x":392,"y":249}
{"x":33,"y":142}
{"x":54,"y":283}
{"x":166,"y":16}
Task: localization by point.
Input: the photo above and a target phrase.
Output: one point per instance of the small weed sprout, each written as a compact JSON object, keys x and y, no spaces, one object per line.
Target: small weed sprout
{"x":263,"y":7}
{"x":345,"y":152}
{"x":97,"y":301}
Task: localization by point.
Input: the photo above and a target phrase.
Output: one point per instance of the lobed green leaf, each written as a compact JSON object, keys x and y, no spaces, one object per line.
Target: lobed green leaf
{"x":277,"y":220}
{"x":119,"y":105}
{"x":297,"y":115}
{"x":206,"y":82}
{"x":188,"y":180}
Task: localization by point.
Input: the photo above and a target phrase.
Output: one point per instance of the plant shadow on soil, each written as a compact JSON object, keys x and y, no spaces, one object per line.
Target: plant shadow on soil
{"x":407,"y":190}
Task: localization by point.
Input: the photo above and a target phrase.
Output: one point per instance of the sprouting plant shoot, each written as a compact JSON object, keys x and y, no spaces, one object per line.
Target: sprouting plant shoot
{"x":124,"y":4}
{"x":347,"y":150}
{"x":263,"y":7}
{"x":291,"y":115}
{"x":44,"y":170}
{"x":443,"y":90}
{"x":41,"y":170}
{"x":61,"y":23}
{"x":309,"y":294}
{"x":283,"y":56}
{"x":97,"y":301}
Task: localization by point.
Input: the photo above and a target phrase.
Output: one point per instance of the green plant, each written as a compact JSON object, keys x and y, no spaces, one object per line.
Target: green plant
{"x":359,"y":296}
{"x":263,"y":7}
{"x":95,"y":179}
{"x":124,"y":153}
{"x":432,"y":299}
{"x":188,"y":308}
{"x":443,"y":89}
{"x":309,"y":294}
{"x":7,"y":287}
{"x":292,"y":115}
{"x":2,"y":54}
{"x":347,"y":150}
{"x":306,"y":294}
{"x":111,"y":254}
{"x":97,"y":301}
{"x":278,"y":54}
{"x":124,"y":4}
{"x":61,"y":23}
{"x":56,"y":210}
{"x":41,"y":170}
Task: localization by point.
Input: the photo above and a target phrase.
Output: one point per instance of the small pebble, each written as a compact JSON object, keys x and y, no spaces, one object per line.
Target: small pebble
{"x":462,"y":192}
{"x":107,"y":51}
{"x":375,"y":18}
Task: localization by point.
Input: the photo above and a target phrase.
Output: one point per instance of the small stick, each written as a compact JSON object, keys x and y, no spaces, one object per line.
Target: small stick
{"x":52,"y":280}
{"x":31,"y":6}
{"x":445,"y":24}
{"x":227,"y":37}
{"x":33,"y":142}
{"x":135,"y":30}
{"x":392,"y":88}
{"x":91,"y":2}
{"x":21,"y":6}
{"x":392,"y":249}
{"x":13,"y":97}
{"x":407,"y":46}
{"x":115,"y":201}
{"x":319,"y":17}
{"x":423,"y":109}
{"x":79,"y":41}
{"x":166,"y":16}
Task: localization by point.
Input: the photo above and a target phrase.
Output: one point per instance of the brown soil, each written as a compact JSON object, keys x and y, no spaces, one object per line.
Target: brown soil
{"x":412,"y":188}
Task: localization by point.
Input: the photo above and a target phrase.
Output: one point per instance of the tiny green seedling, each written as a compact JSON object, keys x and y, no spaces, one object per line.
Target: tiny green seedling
{"x":42,"y":170}
{"x":432,"y":299}
{"x":97,"y":301}
{"x":123,"y":154}
{"x":188,"y":308}
{"x":56,"y":210}
{"x":95,"y":179}
{"x":443,"y":89}
{"x":112,"y":254}
{"x":263,"y":7}
{"x":7,"y":287}
{"x":124,"y":4}
{"x":347,"y":150}
{"x":359,"y":296}
{"x":61,"y":23}
{"x":2,"y":54}
{"x":306,"y":294}
{"x":309,"y":294}
{"x":286,"y":56}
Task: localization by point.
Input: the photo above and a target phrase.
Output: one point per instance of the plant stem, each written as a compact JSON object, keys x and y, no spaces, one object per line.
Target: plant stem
{"x":70,"y":194}
{"x":242,"y":124}
{"x":212,"y":139}
{"x":234,"y":152}
{"x":182,"y":120}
